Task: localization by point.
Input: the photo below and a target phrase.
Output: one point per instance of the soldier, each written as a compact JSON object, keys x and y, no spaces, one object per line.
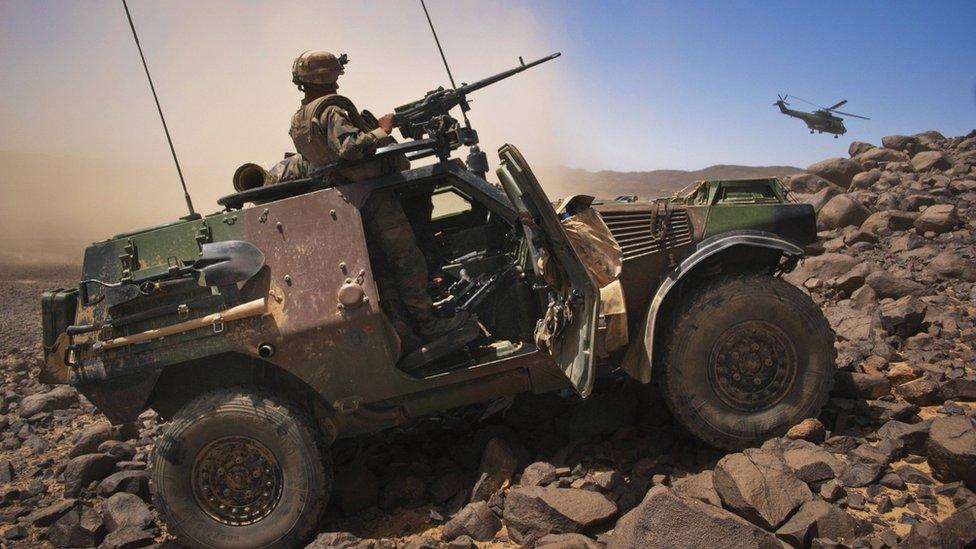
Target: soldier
{"x":328,"y":128}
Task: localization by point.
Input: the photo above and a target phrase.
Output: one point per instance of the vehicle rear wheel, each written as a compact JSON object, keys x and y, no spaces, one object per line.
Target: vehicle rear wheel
{"x":744,"y":358}
{"x":241,"y":468}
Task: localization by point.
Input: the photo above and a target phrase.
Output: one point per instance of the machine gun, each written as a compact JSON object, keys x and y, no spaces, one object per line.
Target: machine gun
{"x":429,"y":118}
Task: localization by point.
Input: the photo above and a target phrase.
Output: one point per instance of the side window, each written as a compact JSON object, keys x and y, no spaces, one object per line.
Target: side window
{"x":449,"y":203}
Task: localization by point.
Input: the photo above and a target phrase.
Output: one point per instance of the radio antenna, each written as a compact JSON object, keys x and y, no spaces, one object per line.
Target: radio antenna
{"x":444,"y":59}
{"x":186,"y":194}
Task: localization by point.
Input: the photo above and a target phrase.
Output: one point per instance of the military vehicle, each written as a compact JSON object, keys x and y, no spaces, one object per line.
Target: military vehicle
{"x":259,"y":333}
{"x":821,"y":120}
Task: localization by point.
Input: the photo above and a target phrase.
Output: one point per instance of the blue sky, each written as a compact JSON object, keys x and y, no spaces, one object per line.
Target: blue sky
{"x":697,"y":79}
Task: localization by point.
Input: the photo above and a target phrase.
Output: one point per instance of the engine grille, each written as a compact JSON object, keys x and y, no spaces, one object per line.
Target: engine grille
{"x":632,"y":229}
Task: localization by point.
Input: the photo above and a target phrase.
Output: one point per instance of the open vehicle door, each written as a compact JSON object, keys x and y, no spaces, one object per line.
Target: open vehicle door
{"x":577,"y":300}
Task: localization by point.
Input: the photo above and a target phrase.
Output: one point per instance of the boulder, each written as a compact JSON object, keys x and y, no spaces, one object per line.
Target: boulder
{"x":129,"y":537}
{"x":952,"y":449}
{"x":90,"y":438}
{"x":931,"y":160}
{"x":498,"y":463}
{"x":838,"y":171}
{"x":887,"y":284}
{"x":903,"y":317}
{"x":475,"y":520}
{"x":858,"y":147}
{"x":960,"y":524}
{"x":906,"y":143}
{"x":539,"y":473}
{"x":959,"y":389}
{"x":125,"y":510}
{"x":887,"y":221}
{"x":82,"y":526}
{"x":46,"y":516}
{"x":807,"y":183}
{"x":131,"y":482}
{"x":858,"y":385}
{"x":820,"y":198}
{"x":928,"y":534}
{"x":59,"y":398}
{"x":912,"y":435}
{"x":665,"y":519}
{"x":700,"y":487}
{"x":759,"y":487}
{"x":810,"y":429}
{"x":864,"y":180}
{"x":824,"y":266}
{"x":817,"y":519}
{"x":841,"y":211}
{"x":921,"y":391}
{"x":534,"y":511}
{"x":881,"y":154}
{"x":342,"y":540}
{"x":939,"y":218}
{"x":811,"y":463}
{"x":950,"y":265}
{"x":85,"y":469}
{"x":566,"y":541}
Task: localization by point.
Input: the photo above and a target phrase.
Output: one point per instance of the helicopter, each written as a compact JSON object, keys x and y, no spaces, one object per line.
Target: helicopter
{"x":820,"y":120}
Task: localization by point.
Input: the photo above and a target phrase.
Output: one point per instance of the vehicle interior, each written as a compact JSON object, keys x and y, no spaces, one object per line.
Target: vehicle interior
{"x":477,"y":262}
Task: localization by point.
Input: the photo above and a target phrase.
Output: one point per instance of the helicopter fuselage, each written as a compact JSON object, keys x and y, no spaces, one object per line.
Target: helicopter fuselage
{"x":818,"y":121}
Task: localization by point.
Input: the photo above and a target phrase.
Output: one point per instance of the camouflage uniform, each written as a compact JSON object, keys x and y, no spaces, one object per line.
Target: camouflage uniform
{"x":328,"y":129}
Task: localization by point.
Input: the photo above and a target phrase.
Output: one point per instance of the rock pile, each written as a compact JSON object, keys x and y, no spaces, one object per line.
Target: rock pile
{"x":890,"y":462}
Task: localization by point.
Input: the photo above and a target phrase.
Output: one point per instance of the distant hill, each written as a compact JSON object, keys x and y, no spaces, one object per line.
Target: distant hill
{"x":559,"y":180}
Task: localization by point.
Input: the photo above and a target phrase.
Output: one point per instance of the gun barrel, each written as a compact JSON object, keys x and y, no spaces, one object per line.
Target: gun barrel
{"x":468,"y":88}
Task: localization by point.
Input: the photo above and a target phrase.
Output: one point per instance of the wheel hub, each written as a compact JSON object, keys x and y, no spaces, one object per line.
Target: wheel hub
{"x":752,"y":365}
{"x":236,"y":480}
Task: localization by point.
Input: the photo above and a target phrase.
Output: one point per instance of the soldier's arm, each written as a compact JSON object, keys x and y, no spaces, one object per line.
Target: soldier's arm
{"x":348,"y":141}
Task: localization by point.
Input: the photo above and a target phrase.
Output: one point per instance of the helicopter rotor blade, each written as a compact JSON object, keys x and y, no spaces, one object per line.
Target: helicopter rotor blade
{"x":837,"y":105}
{"x":854,"y":115}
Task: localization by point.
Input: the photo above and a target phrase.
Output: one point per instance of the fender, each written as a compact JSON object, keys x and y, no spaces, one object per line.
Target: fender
{"x":637,"y":361}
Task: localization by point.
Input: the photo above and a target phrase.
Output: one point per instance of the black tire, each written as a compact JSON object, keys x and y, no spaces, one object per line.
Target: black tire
{"x":744,"y":358}
{"x":219,"y":449}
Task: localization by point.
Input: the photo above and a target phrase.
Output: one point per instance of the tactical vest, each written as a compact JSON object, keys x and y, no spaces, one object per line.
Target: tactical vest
{"x":311,"y":138}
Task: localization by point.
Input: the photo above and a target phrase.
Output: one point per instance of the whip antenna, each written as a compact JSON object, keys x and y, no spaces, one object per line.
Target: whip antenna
{"x":186,"y":194}
{"x":444,"y":59}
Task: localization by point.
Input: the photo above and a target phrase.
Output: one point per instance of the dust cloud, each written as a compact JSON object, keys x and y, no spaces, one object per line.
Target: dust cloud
{"x":82,"y":153}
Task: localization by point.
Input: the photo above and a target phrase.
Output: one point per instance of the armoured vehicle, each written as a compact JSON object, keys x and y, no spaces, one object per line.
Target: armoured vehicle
{"x":258,"y":331}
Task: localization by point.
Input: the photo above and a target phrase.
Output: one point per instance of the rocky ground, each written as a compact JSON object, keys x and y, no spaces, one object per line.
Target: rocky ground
{"x":891,"y":461}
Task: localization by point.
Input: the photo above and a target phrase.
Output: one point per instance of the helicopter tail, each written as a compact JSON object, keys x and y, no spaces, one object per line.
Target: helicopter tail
{"x":781,"y":103}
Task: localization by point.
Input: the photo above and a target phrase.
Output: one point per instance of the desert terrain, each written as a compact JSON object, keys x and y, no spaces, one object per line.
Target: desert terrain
{"x":890,"y":462}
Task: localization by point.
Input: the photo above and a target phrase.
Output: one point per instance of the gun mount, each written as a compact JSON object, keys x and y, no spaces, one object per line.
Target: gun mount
{"x":430,"y":118}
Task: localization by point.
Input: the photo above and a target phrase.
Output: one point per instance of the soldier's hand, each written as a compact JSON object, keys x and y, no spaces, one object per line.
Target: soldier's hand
{"x":386,"y":123}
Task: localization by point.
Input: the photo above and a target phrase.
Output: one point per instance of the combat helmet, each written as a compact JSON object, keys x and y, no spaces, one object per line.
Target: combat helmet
{"x":317,"y":67}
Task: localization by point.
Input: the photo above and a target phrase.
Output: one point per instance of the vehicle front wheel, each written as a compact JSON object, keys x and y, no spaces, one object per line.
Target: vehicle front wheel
{"x":744,"y":358}
{"x":241,"y":468}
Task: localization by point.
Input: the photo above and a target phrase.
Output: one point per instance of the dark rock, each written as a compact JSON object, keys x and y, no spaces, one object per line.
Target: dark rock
{"x":498,"y":463}
{"x":81,"y":526}
{"x":810,"y":429}
{"x":463,"y":542}
{"x":817,"y":519}
{"x":925,"y":535}
{"x":15,"y":532}
{"x":539,"y":473}
{"x":123,"y":451}
{"x":858,"y":385}
{"x":912,"y":475}
{"x":421,"y":542}
{"x":960,"y":524}
{"x":90,"y":438}
{"x":125,"y":510}
{"x":356,"y":487}
{"x":340,"y":540}
{"x":132,"y":482}
{"x":903,"y":317}
{"x":950,"y":265}
{"x":882,"y":410}
{"x":59,"y":398}
{"x":85,"y":469}
{"x":475,"y":520}
{"x":48,"y":515}
{"x":446,"y":487}
{"x":887,"y":284}
{"x":832,"y":491}
{"x":921,"y":391}
{"x":839,"y":171}
{"x":665,"y":519}
{"x":952,"y":449}
{"x":7,"y":472}
{"x":533,"y":512}
{"x":842,"y":211}
{"x":893,"y":481}
{"x":128,"y":537}
{"x":700,"y":487}
{"x":931,"y":160}
{"x":913,"y":436}
{"x":940,"y":218}
{"x":403,"y":491}
{"x":566,"y":541}
{"x":959,"y":389}
{"x":759,"y":487}
{"x":812,"y":464}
